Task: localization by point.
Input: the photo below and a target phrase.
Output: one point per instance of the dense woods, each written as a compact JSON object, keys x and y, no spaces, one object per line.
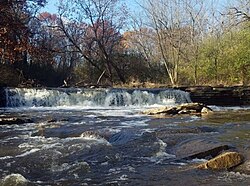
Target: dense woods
{"x":171,"y":42}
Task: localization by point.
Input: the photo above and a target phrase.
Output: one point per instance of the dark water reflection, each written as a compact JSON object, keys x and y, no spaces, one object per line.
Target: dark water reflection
{"x":115,"y":147}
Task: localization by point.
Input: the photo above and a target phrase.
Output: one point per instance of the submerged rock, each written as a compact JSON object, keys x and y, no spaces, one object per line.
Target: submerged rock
{"x":187,"y":108}
{"x":122,"y":137}
{"x":14,"y":180}
{"x":13,"y":121}
{"x":223,"y":161}
{"x":199,"y":149}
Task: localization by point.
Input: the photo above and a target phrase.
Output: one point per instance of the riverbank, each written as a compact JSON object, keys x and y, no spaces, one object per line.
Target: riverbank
{"x":220,"y":96}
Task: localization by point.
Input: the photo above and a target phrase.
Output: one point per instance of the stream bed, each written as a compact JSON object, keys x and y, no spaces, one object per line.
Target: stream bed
{"x":117,"y":145}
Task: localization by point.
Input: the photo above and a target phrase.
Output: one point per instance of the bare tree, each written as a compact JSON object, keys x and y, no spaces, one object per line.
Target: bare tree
{"x":168,"y":20}
{"x":241,"y":10}
{"x":93,"y":28}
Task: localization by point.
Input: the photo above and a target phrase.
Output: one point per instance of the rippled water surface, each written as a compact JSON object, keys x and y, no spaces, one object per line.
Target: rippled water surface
{"x":114,"y":146}
{"x":111,"y":142}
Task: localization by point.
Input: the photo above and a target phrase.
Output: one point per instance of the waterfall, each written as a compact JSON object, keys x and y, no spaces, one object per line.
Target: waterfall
{"x":41,"y":97}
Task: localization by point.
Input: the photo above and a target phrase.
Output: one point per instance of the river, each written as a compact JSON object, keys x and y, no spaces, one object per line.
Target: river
{"x":99,"y":137}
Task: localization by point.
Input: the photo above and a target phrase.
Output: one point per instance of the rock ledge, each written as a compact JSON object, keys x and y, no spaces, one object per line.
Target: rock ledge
{"x":187,"y":108}
{"x":223,"y":161}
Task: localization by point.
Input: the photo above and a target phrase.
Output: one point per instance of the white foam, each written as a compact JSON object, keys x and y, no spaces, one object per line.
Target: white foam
{"x":178,"y":163}
{"x":161,"y":154}
{"x":148,"y":130}
{"x":115,"y":170}
{"x":6,"y":157}
{"x":90,"y":139}
{"x":123,"y":177}
{"x":141,"y":123}
{"x":23,"y":97}
{"x":105,"y":163}
{"x":233,"y":176}
{"x":26,"y":145}
{"x":28,"y":153}
{"x":197,"y":160}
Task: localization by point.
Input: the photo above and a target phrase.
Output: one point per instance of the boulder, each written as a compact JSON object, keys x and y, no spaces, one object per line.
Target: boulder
{"x":223,"y":161}
{"x":187,"y":108}
{"x":198,"y":148}
{"x":13,"y":121}
{"x":243,"y":168}
{"x":14,"y":180}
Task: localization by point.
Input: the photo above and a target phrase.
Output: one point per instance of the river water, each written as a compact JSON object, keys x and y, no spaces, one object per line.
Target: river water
{"x":100,"y":137}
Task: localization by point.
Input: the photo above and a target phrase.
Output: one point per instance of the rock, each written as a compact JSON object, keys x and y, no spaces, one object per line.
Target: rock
{"x":243,"y":168}
{"x":199,"y":149}
{"x":14,"y":180}
{"x":223,"y":161}
{"x":153,"y":111}
{"x":221,"y":95}
{"x":187,"y":108}
{"x":13,"y":121}
{"x":191,"y":106}
{"x":52,"y":120}
{"x":122,"y":138}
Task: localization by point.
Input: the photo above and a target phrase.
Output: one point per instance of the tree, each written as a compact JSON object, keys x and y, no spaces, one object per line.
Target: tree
{"x":141,"y":41}
{"x":173,"y":32}
{"x":240,"y":10}
{"x":14,"y":28}
{"x":50,"y":56}
{"x":93,"y":28}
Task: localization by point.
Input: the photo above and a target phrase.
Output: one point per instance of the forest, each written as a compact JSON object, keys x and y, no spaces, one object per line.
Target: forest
{"x":103,"y":42}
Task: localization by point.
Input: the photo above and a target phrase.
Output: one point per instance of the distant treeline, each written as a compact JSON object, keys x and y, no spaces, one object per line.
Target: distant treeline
{"x":184,"y":42}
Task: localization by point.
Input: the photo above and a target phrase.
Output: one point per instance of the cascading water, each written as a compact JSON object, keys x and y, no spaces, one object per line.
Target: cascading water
{"x":28,"y":97}
{"x":101,"y":137}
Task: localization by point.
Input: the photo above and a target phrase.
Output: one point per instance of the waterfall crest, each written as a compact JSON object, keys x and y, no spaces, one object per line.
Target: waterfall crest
{"x":39,"y":97}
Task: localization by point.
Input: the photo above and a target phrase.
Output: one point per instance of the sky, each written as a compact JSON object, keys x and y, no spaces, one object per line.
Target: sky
{"x":51,"y":5}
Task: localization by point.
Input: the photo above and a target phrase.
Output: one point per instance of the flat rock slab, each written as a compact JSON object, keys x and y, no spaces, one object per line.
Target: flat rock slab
{"x":187,"y":108}
{"x":198,"y":149}
{"x":223,"y":161}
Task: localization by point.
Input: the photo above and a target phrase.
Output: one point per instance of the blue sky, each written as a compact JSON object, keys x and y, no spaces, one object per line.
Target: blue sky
{"x":134,"y":7}
{"x":51,"y":5}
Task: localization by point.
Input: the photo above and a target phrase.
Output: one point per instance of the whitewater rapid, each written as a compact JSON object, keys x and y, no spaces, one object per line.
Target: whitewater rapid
{"x":34,"y":97}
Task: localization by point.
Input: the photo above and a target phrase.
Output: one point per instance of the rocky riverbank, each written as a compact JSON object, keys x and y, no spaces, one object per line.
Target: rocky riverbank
{"x":220,"y":96}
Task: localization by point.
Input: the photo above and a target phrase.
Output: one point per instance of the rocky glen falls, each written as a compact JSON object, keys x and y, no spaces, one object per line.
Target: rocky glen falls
{"x":124,"y":92}
{"x":73,"y":136}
